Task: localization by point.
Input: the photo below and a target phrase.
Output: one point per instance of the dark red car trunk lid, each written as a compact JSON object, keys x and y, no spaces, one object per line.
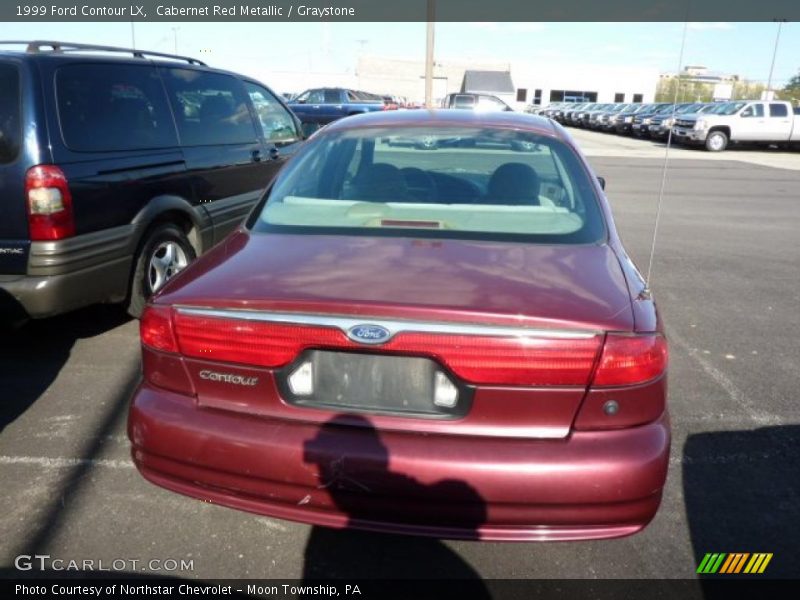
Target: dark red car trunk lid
{"x":493,"y":282}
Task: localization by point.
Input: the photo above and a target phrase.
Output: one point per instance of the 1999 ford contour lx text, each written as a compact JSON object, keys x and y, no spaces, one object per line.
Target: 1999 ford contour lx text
{"x":450,"y":343}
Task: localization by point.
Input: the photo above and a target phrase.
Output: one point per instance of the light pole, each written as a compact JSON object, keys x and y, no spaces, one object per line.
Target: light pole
{"x":361,"y":44}
{"x":429,"y":54}
{"x":175,"y":37}
{"x":774,"y":54}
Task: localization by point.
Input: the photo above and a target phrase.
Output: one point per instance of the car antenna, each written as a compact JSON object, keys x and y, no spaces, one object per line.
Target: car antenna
{"x":666,"y":155}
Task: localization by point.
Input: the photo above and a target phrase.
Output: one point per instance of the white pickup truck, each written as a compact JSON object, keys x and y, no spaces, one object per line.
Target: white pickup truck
{"x":749,"y":121}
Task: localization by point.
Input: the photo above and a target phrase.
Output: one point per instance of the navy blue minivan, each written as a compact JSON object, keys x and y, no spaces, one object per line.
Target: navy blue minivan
{"x":119,"y":166}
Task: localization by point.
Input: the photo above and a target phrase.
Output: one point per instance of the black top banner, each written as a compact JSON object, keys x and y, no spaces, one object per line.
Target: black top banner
{"x":399,"y":10}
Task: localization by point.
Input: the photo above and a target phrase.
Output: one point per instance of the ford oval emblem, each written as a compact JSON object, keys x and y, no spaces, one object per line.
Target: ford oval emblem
{"x":369,"y":334}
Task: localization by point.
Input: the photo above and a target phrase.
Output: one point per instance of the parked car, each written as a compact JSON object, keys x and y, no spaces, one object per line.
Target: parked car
{"x":585,"y":116}
{"x":600,"y":120}
{"x":406,"y":341}
{"x":594,"y":120}
{"x":661,"y":124}
{"x":321,"y":106}
{"x":116,"y":171}
{"x":609,"y":121}
{"x":570,"y":112}
{"x":575,"y":117}
{"x":624,"y":121}
{"x":641,"y":120}
{"x":770,"y":122}
{"x":559,"y":114}
{"x":476,"y":102}
{"x":551,"y":108}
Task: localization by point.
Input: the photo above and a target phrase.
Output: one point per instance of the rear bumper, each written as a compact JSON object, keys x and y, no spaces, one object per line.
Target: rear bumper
{"x":38,"y":297}
{"x":68,"y":274}
{"x":590,"y":485}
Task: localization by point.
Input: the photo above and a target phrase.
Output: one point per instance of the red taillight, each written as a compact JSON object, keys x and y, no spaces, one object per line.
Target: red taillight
{"x":477,"y":359}
{"x":155,"y":329}
{"x":526,"y":361}
{"x":251,"y":342}
{"x":628,"y":360}
{"x":49,"y":204}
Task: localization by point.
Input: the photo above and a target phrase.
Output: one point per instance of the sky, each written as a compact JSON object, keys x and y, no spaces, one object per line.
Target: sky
{"x":251,"y":48}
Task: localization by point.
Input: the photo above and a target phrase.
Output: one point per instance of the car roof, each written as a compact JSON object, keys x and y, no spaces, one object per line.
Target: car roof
{"x":448,"y":118}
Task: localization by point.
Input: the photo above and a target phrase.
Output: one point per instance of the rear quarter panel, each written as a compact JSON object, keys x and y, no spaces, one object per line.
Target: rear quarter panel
{"x":34,"y":149}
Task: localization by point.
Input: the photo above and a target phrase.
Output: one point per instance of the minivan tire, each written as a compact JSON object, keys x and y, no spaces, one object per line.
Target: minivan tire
{"x":165,"y":246}
{"x":716,"y":141}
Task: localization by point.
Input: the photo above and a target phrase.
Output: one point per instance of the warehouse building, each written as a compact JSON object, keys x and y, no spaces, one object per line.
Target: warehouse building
{"x":519,"y":83}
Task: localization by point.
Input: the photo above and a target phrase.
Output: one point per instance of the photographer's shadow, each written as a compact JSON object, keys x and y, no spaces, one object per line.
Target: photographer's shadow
{"x":742,"y":494}
{"x":353,"y":467}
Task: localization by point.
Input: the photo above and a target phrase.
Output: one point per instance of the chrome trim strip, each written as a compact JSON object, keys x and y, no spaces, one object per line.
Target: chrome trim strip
{"x":394,"y":326}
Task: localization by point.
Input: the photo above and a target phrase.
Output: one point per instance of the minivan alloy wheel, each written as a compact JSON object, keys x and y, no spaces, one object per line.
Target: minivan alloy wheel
{"x":165,"y":250}
{"x":167,"y":259}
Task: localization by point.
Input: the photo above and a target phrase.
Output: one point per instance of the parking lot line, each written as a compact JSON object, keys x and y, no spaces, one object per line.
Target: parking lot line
{"x":758,"y":415}
{"x":61,"y":462}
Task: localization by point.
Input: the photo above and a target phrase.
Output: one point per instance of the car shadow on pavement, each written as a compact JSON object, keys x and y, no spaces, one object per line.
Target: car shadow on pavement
{"x":742,"y":494}
{"x":351,"y":481}
{"x":32,"y":355}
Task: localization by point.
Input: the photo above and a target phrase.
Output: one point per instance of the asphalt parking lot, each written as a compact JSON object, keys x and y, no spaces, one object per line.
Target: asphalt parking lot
{"x":727,"y":279}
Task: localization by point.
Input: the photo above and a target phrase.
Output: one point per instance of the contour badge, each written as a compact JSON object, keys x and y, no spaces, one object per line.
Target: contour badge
{"x":369,"y":334}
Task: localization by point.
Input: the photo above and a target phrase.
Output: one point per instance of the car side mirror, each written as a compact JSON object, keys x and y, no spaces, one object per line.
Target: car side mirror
{"x":309,"y":128}
{"x":602,"y":181}
{"x":300,"y":100}
{"x":298,"y":127}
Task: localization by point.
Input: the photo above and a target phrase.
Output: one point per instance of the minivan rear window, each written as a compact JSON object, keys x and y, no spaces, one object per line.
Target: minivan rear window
{"x":113,"y":107}
{"x":210,"y":108}
{"x":9,"y":113}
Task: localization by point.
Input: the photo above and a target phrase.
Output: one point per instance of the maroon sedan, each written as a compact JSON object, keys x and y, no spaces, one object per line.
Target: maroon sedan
{"x":441,"y":339}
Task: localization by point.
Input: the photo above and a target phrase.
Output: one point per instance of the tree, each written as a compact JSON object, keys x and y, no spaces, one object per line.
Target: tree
{"x":791,"y":90}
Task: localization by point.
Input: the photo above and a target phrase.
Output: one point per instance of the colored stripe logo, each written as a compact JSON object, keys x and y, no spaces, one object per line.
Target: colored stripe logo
{"x":734,"y":562}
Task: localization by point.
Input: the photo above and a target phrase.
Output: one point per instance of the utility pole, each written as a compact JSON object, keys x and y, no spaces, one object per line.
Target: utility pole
{"x":361,"y":44}
{"x":133,"y":36}
{"x":774,"y":54}
{"x":429,"y":54}
{"x":175,"y":37}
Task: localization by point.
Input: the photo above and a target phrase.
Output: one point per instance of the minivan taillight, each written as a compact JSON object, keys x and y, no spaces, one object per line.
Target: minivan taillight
{"x":631,"y":359}
{"x":49,"y":204}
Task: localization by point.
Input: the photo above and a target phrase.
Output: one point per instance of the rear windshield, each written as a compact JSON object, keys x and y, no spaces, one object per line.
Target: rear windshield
{"x":9,"y":113}
{"x":106,"y":107}
{"x":448,"y":182}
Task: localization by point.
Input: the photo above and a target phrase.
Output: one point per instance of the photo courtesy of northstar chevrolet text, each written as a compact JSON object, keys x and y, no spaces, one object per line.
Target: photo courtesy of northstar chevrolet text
{"x":399,"y":300}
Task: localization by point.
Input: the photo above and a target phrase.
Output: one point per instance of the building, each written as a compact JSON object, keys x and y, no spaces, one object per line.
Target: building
{"x":701,"y":74}
{"x":545,"y":83}
{"x":494,"y":83}
{"x":518,"y":83}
